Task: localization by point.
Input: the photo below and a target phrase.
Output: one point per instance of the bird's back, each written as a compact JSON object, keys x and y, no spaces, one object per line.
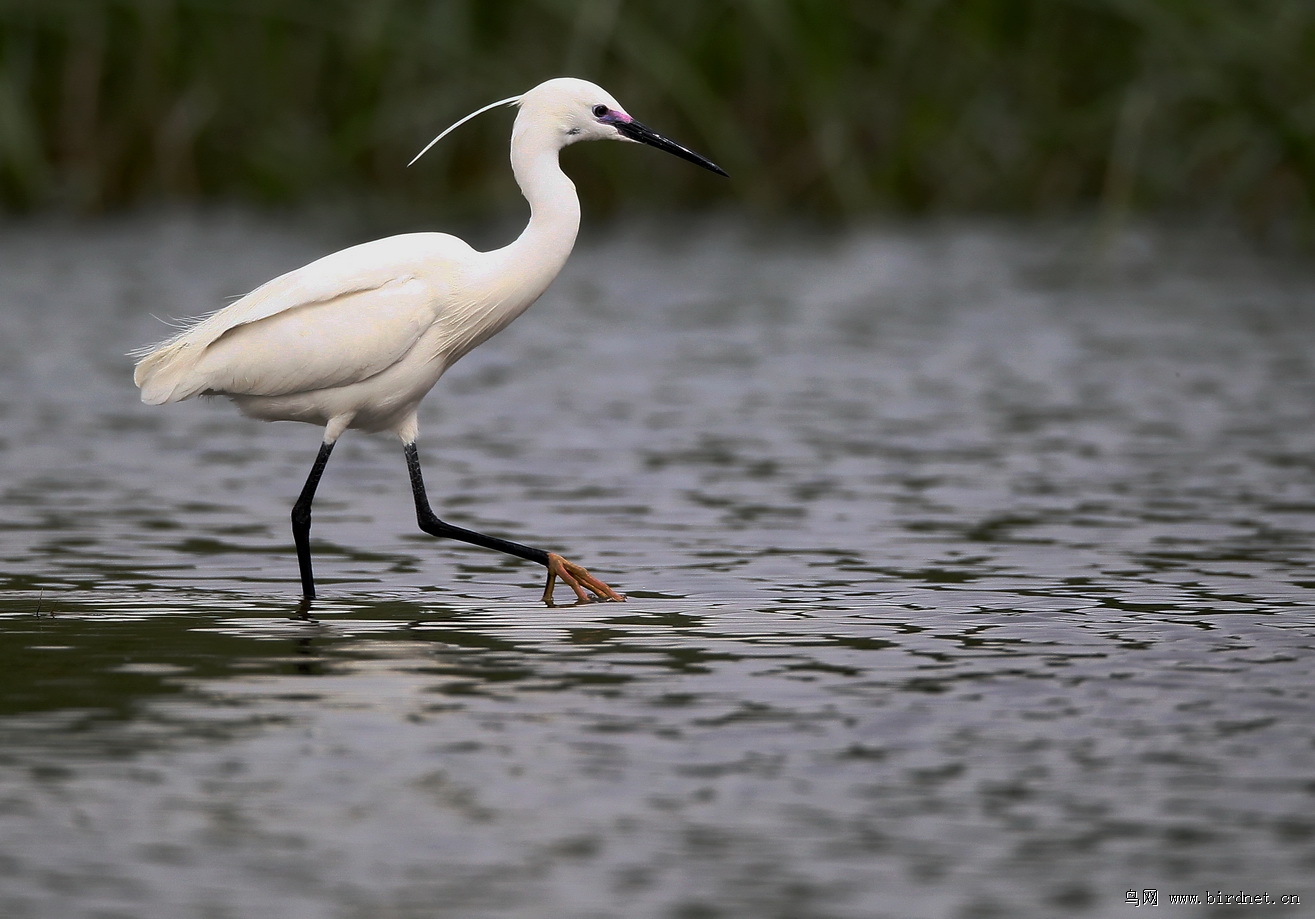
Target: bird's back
{"x":338,"y":320}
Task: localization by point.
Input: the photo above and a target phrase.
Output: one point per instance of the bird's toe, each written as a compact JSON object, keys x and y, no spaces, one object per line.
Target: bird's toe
{"x":578,"y":578}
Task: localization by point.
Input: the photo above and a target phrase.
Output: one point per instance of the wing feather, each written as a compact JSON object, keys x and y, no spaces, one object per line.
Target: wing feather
{"x":342,"y":318}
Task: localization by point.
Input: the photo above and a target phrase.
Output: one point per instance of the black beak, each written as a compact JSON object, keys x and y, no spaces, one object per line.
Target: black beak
{"x":645,"y":135}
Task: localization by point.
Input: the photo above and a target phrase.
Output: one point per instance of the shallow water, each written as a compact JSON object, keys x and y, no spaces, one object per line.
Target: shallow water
{"x":968,"y":577}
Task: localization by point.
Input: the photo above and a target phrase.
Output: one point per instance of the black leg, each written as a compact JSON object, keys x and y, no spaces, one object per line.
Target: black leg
{"x":301,"y":521}
{"x":574,"y":576}
{"x":430,"y":523}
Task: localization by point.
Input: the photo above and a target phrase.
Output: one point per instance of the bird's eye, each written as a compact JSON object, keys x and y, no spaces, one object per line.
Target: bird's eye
{"x":600,"y":111}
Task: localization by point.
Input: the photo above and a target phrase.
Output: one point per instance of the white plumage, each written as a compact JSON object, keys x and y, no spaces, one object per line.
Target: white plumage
{"x":357,"y":338}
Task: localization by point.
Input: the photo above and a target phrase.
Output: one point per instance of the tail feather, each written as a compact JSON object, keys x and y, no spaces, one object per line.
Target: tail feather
{"x":161,"y":374}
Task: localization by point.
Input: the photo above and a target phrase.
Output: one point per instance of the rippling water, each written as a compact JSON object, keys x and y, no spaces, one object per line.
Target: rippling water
{"x":968,"y":577}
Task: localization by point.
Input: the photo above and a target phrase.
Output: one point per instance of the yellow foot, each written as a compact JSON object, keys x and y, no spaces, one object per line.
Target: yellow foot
{"x":578,"y":579}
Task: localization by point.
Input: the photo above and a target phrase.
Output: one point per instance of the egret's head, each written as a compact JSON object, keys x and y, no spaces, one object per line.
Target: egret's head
{"x":579,"y":110}
{"x":566,"y":110}
{"x":574,"y":109}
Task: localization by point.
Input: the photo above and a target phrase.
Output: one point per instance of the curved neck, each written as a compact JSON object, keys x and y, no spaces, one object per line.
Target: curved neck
{"x":550,"y":235}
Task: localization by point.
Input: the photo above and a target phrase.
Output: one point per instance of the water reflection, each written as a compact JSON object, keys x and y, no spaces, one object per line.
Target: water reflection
{"x":963,"y":583}
{"x":1013,"y":756}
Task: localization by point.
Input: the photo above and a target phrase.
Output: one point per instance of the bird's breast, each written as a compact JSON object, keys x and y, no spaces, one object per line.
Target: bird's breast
{"x":486,"y":304}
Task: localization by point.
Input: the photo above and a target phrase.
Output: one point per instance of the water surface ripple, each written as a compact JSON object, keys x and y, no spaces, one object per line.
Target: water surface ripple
{"x":967,"y":571}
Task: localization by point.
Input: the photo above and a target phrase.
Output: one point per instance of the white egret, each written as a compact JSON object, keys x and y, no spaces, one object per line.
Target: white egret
{"x":357,"y":338}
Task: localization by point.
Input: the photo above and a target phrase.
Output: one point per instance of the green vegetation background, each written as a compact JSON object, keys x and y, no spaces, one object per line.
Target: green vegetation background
{"x":816,"y":107}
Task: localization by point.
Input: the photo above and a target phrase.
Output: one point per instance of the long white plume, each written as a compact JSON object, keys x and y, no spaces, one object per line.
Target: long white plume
{"x":480,"y":111}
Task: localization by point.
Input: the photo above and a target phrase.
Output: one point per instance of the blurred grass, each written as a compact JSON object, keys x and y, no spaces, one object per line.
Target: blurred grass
{"x":816,"y":107}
